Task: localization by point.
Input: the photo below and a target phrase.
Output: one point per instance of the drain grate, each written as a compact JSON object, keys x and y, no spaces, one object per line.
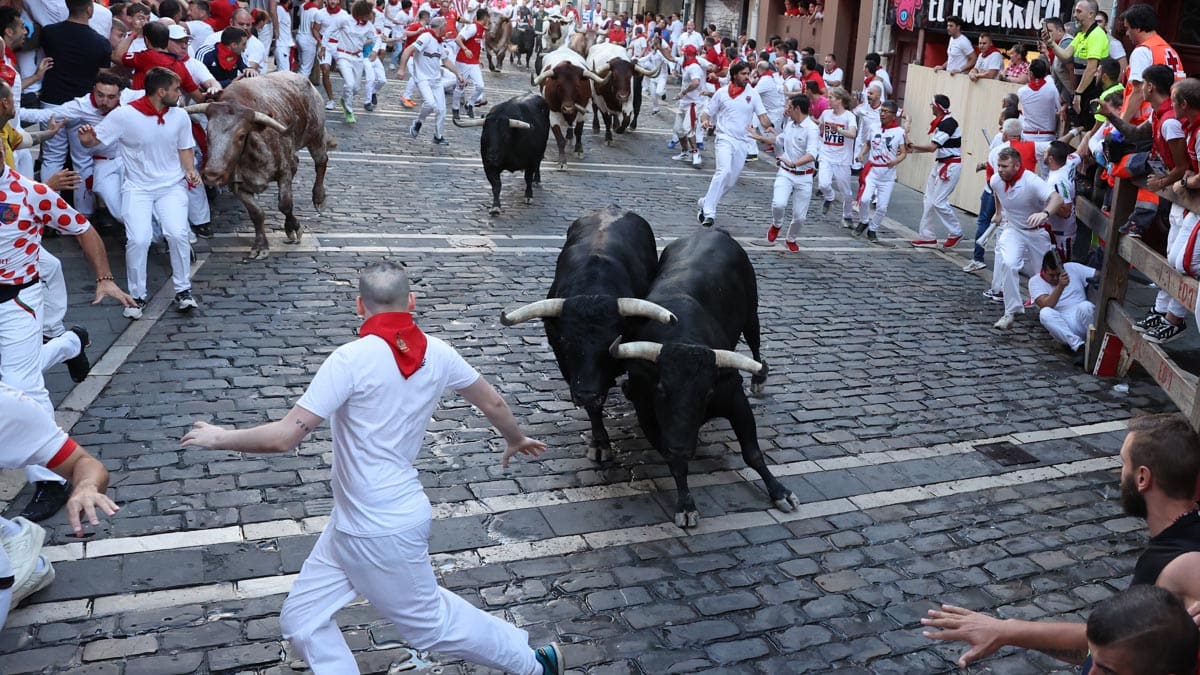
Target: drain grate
{"x":1006,"y":454}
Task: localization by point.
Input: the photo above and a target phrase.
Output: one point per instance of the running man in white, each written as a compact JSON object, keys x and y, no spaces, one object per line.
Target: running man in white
{"x":307,"y":38}
{"x":731,"y":111}
{"x":690,"y":97}
{"x":325,"y":25}
{"x":945,"y":142}
{"x":428,"y":57}
{"x":839,"y":127}
{"x":379,"y":392}
{"x":155,"y":137}
{"x":797,"y":148}
{"x":881,"y":152}
{"x":1060,"y":293}
{"x":352,"y":39}
{"x":1024,"y":203}
{"x":470,"y":45}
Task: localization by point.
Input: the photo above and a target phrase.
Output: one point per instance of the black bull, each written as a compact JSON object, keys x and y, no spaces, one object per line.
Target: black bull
{"x":603,"y":271}
{"x":684,"y":374}
{"x":513,"y":139}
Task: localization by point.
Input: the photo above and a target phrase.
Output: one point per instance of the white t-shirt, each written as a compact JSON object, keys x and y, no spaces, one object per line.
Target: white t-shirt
{"x":150,"y":150}
{"x":691,"y":73}
{"x":1170,"y":130}
{"x":1116,"y":50}
{"x":835,"y":149}
{"x":1075,"y":291}
{"x":200,"y":32}
{"x":256,"y":51}
{"x":1141,"y":59}
{"x":958,"y":53}
{"x":797,"y":140}
{"x":1026,"y":197}
{"x":835,"y":76}
{"x":731,"y":116}
{"x":1062,"y":181}
{"x":1039,"y":110}
{"x":887,"y":82}
{"x":199,"y":72}
{"x":29,"y":432}
{"x":285,"y":39}
{"x":771,"y":93}
{"x":427,"y":58}
{"x":378,"y":420}
{"x":993,"y":61}
{"x":885,"y":147}
{"x":868,"y":122}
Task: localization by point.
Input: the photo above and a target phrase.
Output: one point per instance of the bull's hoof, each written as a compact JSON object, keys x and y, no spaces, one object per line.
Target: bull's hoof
{"x":578,"y":154}
{"x":562,"y":166}
{"x":256,"y":254}
{"x":528,"y":201}
{"x":687,"y":519}
{"x":633,"y":126}
{"x":293,"y":237}
{"x":598,"y":453}
{"x":608,"y":142}
{"x":758,"y":388}
{"x":494,"y":211}
{"x":788,"y":503}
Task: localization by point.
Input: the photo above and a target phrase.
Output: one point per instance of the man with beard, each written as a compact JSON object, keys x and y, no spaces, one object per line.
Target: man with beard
{"x":1160,"y":463}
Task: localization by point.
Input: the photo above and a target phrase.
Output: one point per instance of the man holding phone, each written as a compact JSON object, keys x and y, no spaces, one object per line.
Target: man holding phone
{"x":1089,"y":45}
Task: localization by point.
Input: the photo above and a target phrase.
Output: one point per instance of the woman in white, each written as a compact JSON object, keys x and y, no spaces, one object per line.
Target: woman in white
{"x":839,"y":128}
{"x":797,"y":148}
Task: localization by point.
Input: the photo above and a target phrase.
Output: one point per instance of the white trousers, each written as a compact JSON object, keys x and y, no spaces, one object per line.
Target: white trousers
{"x":24,"y":161}
{"x":832,"y":177}
{"x":170,"y":206}
{"x":283,"y":58}
{"x":351,"y":68}
{"x":395,"y":575}
{"x":107,"y":177}
{"x":306,"y":49}
{"x":54,"y":298}
{"x":655,"y":87}
{"x":938,"y":210}
{"x":472,"y":73}
{"x":433,"y":101}
{"x":879,"y":190}
{"x":1018,"y":252}
{"x":686,"y":121}
{"x":198,"y":210}
{"x":375,"y":75}
{"x":799,"y":189}
{"x":730,"y":157}
{"x":1181,"y":230}
{"x":1068,"y":325}
{"x":410,"y":87}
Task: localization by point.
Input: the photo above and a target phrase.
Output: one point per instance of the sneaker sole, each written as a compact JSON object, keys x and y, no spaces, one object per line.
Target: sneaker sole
{"x":1163,"y":341}
{"x":20,"y":592}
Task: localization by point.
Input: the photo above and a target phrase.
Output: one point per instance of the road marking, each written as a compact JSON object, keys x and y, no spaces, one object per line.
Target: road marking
{"x":555,"y":546}
{"x":507,"y":503}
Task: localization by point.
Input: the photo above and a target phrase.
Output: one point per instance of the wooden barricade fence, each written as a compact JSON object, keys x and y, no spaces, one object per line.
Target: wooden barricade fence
{"x":1111,"y":316}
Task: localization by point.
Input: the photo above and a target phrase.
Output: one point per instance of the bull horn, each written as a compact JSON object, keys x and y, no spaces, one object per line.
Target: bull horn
{"x":647,"y":351}
{"x":518,"y":124}
{"x":545,"y":75}
{"x":636,"y":307}
{"x":550,"y":308}
{"x":263,"y":118}
{"x":646,"y":71}
{"x":197,"y":108}
{"x":596,"y":78}
{"x":728,"y":359}
{"x":469,"y":123}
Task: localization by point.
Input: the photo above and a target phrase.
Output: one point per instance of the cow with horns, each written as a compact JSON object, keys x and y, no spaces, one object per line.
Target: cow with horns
{"x":523,"y":43}
{"x":566,"y":83}
{"x":612,"y":97}
{"x":254,"y":134}
{"x":513,"y":139}
{"x":552,"y":32}
{"x":682,"y":375}
{"x":497,"y":39}
{"x":603,"y":272}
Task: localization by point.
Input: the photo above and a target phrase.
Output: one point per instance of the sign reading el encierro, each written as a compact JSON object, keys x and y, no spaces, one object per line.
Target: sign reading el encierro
{"x":1006,"y":15}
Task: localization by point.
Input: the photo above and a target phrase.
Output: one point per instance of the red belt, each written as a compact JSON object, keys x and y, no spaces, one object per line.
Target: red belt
{"x":1039,"y":133}
{"x":944,"y":172}
{"x":801,"y":172}
{"x":347,"y":51}
{"x":96,"y":157}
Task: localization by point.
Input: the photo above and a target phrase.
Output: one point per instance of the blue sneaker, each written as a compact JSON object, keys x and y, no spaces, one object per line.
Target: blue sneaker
{"x":551,"y":659}
{"x":699,"y":145}
{"x":672,"y":143}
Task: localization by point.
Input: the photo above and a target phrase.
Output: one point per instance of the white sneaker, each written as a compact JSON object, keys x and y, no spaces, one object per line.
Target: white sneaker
{"x":973,"y":266}
{"x":696,"y":160}
{"x":27,"y":544}
{"x":330,"y":105}
{"x":1005,"y":322}
{"x":33,"y":581}
{"x":681,"y":157}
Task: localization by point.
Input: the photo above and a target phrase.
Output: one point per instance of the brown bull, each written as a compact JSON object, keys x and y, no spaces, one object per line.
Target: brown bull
{"x":497,"y":40}
{"x":254,"y":135}
{"x":567,"y":89}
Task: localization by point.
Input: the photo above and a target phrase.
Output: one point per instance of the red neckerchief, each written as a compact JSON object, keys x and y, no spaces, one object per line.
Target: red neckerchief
{"x":1165,"y":108}
{"x":938,"y":120}
{"x":311,"y":5}
{"x":226,"y":59}
{"x":891,"y":125}
{"x":406,"y":341}
{"x":8,"y":70}
{"x":144,"y":106}
{"x":990,"y":50}
{"x":689,"y":60}
{"x":333,"y":11}
{"x":1036,"y":83}
{"x":735,"y":92}
{"x":361,"y":22}
{"x":1009,"y":183}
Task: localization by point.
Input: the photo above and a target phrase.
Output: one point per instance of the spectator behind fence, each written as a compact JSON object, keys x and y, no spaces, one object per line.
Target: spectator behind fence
{"x":1040,"y":104}
{"x":960,"y":55}
{"x":1089,"y":45}
{"x":990,"y":61}
{"x":1017,"y":70}
{"x":1160,"y":463}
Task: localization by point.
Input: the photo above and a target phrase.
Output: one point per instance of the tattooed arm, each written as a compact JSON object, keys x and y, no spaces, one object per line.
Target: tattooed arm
{"x":281,"y":436}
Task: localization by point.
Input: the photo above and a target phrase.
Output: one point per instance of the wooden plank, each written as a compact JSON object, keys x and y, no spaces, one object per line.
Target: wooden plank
{"x":1179,"y":384}
{"x":1147,"y":261}
{"x":1115,"y":275}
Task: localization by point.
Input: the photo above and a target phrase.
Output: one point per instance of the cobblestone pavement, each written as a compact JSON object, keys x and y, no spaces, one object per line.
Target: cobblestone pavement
{"x":888,"y":391}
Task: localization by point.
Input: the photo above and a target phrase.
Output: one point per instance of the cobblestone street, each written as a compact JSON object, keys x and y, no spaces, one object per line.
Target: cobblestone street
{"x":890,"y":407}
